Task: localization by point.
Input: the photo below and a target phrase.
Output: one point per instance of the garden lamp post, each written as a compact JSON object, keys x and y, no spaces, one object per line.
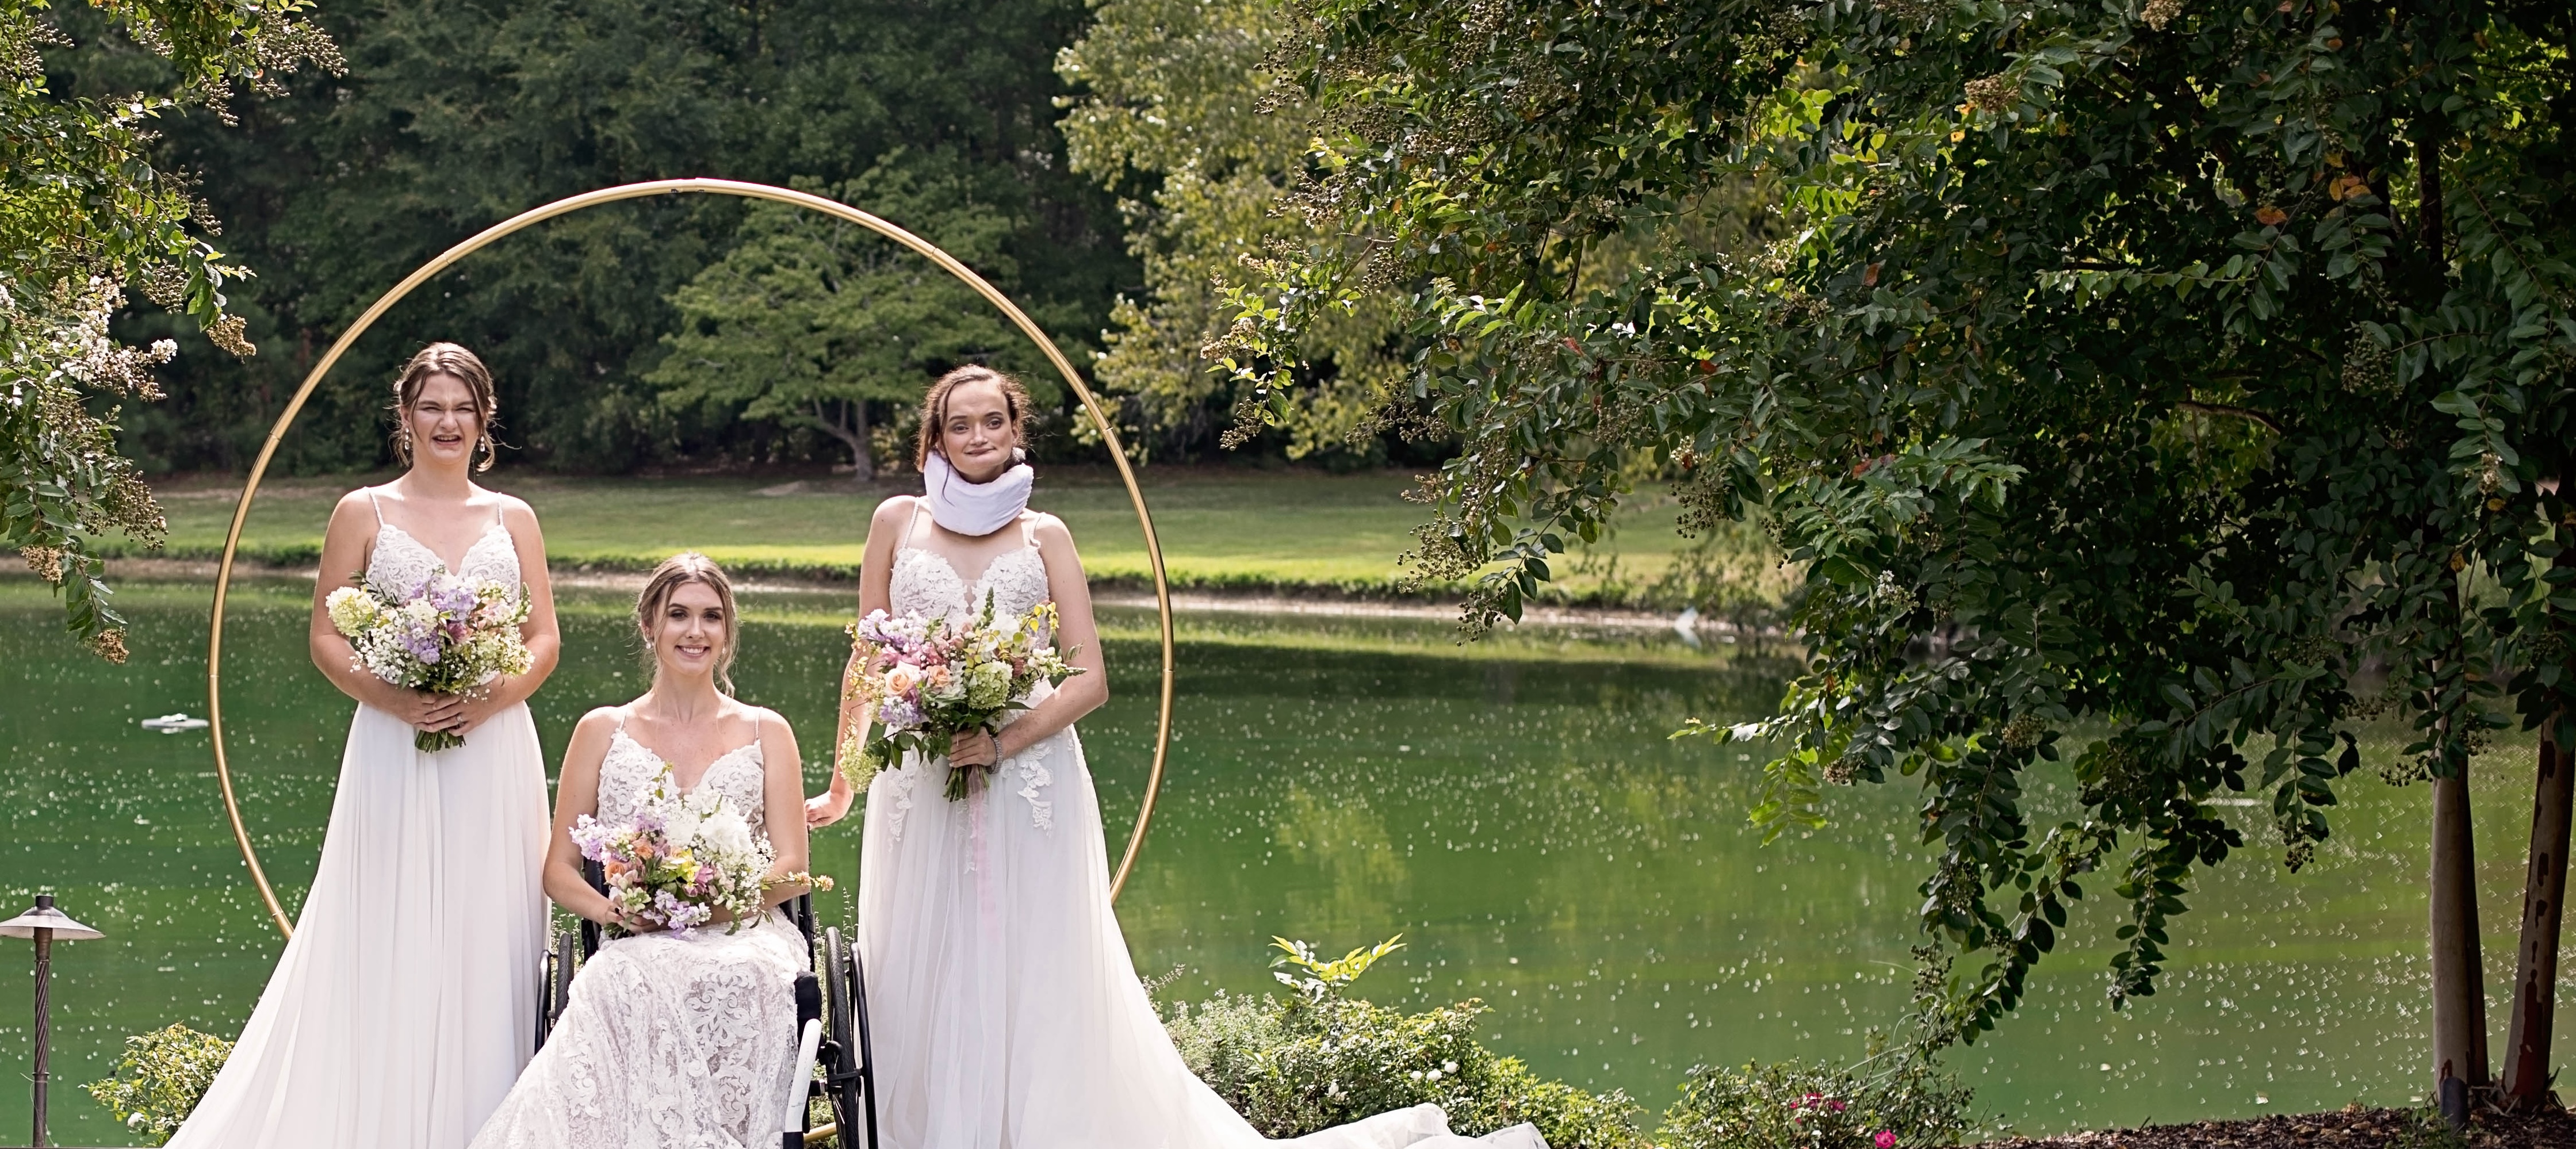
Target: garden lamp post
{"x":46,"y":925}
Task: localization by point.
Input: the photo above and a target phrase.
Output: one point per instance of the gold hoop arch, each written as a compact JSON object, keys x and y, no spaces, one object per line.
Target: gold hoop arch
{"x":286,"y":418}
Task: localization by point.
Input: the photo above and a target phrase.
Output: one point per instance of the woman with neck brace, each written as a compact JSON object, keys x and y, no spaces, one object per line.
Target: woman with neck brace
{"x":1006,"y":1011}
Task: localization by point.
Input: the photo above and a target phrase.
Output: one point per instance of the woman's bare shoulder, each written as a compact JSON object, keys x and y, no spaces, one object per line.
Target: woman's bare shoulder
{"x":769,"y":723}
{"x":1048,"y":530}
{"x":515,"y":508}
{"x":355,"y":501}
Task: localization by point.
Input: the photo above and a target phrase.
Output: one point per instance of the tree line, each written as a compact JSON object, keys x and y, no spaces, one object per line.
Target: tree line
{"x":452,"y":116}
{"x":690,"y":331}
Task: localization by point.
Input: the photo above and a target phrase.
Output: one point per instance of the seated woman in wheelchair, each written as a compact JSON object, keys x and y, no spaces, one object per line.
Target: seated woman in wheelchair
{"x":684,"y":1038}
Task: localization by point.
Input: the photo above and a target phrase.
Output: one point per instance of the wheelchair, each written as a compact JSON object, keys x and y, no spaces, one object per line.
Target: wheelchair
{"x":831,"y":1019}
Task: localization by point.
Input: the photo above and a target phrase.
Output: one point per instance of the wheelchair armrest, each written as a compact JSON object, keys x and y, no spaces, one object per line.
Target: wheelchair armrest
{"x":597,"y":876}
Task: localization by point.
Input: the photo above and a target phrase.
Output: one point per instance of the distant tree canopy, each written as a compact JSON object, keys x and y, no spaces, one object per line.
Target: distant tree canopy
{"x":455,"y":115}
{"x":88,"y":211}
{"x":1176,"y":111}
{"x":810,"y":321}
{"x":2130,"y":377}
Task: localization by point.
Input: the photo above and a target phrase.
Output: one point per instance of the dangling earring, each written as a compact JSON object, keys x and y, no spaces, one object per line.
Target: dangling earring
{"x":491,"y":453}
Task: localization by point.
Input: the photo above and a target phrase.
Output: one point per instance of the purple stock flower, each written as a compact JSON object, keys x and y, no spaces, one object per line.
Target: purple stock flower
{"x":900,"y":714}
{"x":452,"y":597}
{"x":423,"y":646}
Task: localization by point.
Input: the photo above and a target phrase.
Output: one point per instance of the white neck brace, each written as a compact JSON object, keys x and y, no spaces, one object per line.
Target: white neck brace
{"x":976,"y":509}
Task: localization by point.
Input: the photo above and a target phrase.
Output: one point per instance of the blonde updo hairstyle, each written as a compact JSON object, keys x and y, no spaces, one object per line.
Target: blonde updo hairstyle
{"x":934,"y":407}
{"x":678,"y":571}
{"x":465,"y":367}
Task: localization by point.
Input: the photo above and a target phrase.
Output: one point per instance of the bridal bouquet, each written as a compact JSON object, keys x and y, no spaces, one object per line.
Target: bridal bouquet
{"x":933,"y":679}
{"x":450,"y":636}
{"x":684,"y":857}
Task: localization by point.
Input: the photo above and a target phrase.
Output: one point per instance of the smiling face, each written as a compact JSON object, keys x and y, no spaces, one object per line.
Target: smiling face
{"x":692,"y":632}
{"x":977,"y":435}
{"x":445,"y":422}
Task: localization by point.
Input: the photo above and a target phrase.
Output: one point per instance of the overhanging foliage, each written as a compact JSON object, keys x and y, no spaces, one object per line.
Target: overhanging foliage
{"x":2153,"y":368}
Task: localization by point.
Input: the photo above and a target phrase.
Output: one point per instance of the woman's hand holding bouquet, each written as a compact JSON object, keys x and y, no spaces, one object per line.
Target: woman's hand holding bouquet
{"x":930,"y":680}
{"x":449,"y":637}
{"x":688,"y":860}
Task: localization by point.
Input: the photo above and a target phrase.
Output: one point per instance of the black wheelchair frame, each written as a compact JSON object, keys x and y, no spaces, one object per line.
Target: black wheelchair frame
{"x":837,"y":998}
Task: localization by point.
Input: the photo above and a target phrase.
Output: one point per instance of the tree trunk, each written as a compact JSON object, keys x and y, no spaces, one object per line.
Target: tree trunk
{"x":2459,"y":991}
{"x":2544,"y":888}
{"x":863,"y":461}
{"x":863,"y":453}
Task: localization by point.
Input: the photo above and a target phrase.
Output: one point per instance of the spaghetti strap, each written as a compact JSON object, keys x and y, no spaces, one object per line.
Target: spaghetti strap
{"x":903,"y":542}
{"x":379,"y":507}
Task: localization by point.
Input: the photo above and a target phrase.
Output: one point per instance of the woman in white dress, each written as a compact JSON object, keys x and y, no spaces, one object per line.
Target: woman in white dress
{"x":1006,"y":1010}
{"x":404,"y":1004}
{"x":672,"y":1041}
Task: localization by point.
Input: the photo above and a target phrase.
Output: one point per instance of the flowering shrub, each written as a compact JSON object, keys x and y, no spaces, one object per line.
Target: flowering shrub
{"x":1319,"y":1059}
{"x":160,"y":1078}
{"x":1904,"y":1104}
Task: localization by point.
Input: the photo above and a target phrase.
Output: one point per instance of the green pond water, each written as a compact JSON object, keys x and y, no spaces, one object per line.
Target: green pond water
{"x":1513,"y":808}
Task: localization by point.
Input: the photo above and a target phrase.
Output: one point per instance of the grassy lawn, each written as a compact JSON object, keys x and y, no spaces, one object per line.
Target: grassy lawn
{"x":1289,"y":531}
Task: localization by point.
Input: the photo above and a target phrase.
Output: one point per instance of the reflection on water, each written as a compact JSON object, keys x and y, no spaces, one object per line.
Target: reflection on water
{"x":1512,"y":808}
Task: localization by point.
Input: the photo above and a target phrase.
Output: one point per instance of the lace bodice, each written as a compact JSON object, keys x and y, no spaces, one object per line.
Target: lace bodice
{"x":627,"y":774}
{"x":401,"y":563}
{"x":679,"y":1040}
{"x":927,"y":584}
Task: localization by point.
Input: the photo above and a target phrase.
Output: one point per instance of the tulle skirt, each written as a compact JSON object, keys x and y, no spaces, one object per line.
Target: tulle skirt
{"x":405,"y":1004}
{"x":1007,"y":1012}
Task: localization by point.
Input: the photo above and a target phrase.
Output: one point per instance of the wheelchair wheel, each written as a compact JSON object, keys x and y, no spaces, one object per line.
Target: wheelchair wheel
{"x":849,"y":1065}
{"x":554,"y":982}
{"x":545,"y":995}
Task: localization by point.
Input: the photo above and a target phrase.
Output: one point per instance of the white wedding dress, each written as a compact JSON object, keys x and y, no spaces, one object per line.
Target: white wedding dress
{"x":669,"y":1041}
{"x":1006,"y":1010}
{"x":406,"y":1001}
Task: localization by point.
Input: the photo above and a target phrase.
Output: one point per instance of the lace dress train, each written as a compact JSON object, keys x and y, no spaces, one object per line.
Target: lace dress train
{"x":668,"y":1041}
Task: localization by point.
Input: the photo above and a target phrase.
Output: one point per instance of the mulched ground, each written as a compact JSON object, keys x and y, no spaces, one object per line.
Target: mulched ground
{"x":2353,"y":1128}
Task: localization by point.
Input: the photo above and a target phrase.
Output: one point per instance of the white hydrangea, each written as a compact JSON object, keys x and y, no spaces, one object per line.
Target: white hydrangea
{"x":352,"y":610}
{"x":725,"y":832}
{"x":681,"y":825}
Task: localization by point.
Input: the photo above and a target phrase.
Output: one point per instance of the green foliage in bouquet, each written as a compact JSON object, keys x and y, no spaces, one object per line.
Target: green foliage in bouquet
{"x":1317,"y":1059}
{"x":160,"y":1078}
{"x":1907,"y":1103}
{"x":450,"y":637}
{"x":929,"y":681}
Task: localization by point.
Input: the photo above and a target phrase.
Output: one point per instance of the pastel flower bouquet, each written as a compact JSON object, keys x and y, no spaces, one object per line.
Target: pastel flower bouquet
{"x":684,"y":857}
{"x":452,"y":635}
{"x":930,"y":680}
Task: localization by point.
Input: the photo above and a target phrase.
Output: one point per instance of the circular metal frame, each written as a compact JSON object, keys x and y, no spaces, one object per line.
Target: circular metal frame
{"x":285,"y":419}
